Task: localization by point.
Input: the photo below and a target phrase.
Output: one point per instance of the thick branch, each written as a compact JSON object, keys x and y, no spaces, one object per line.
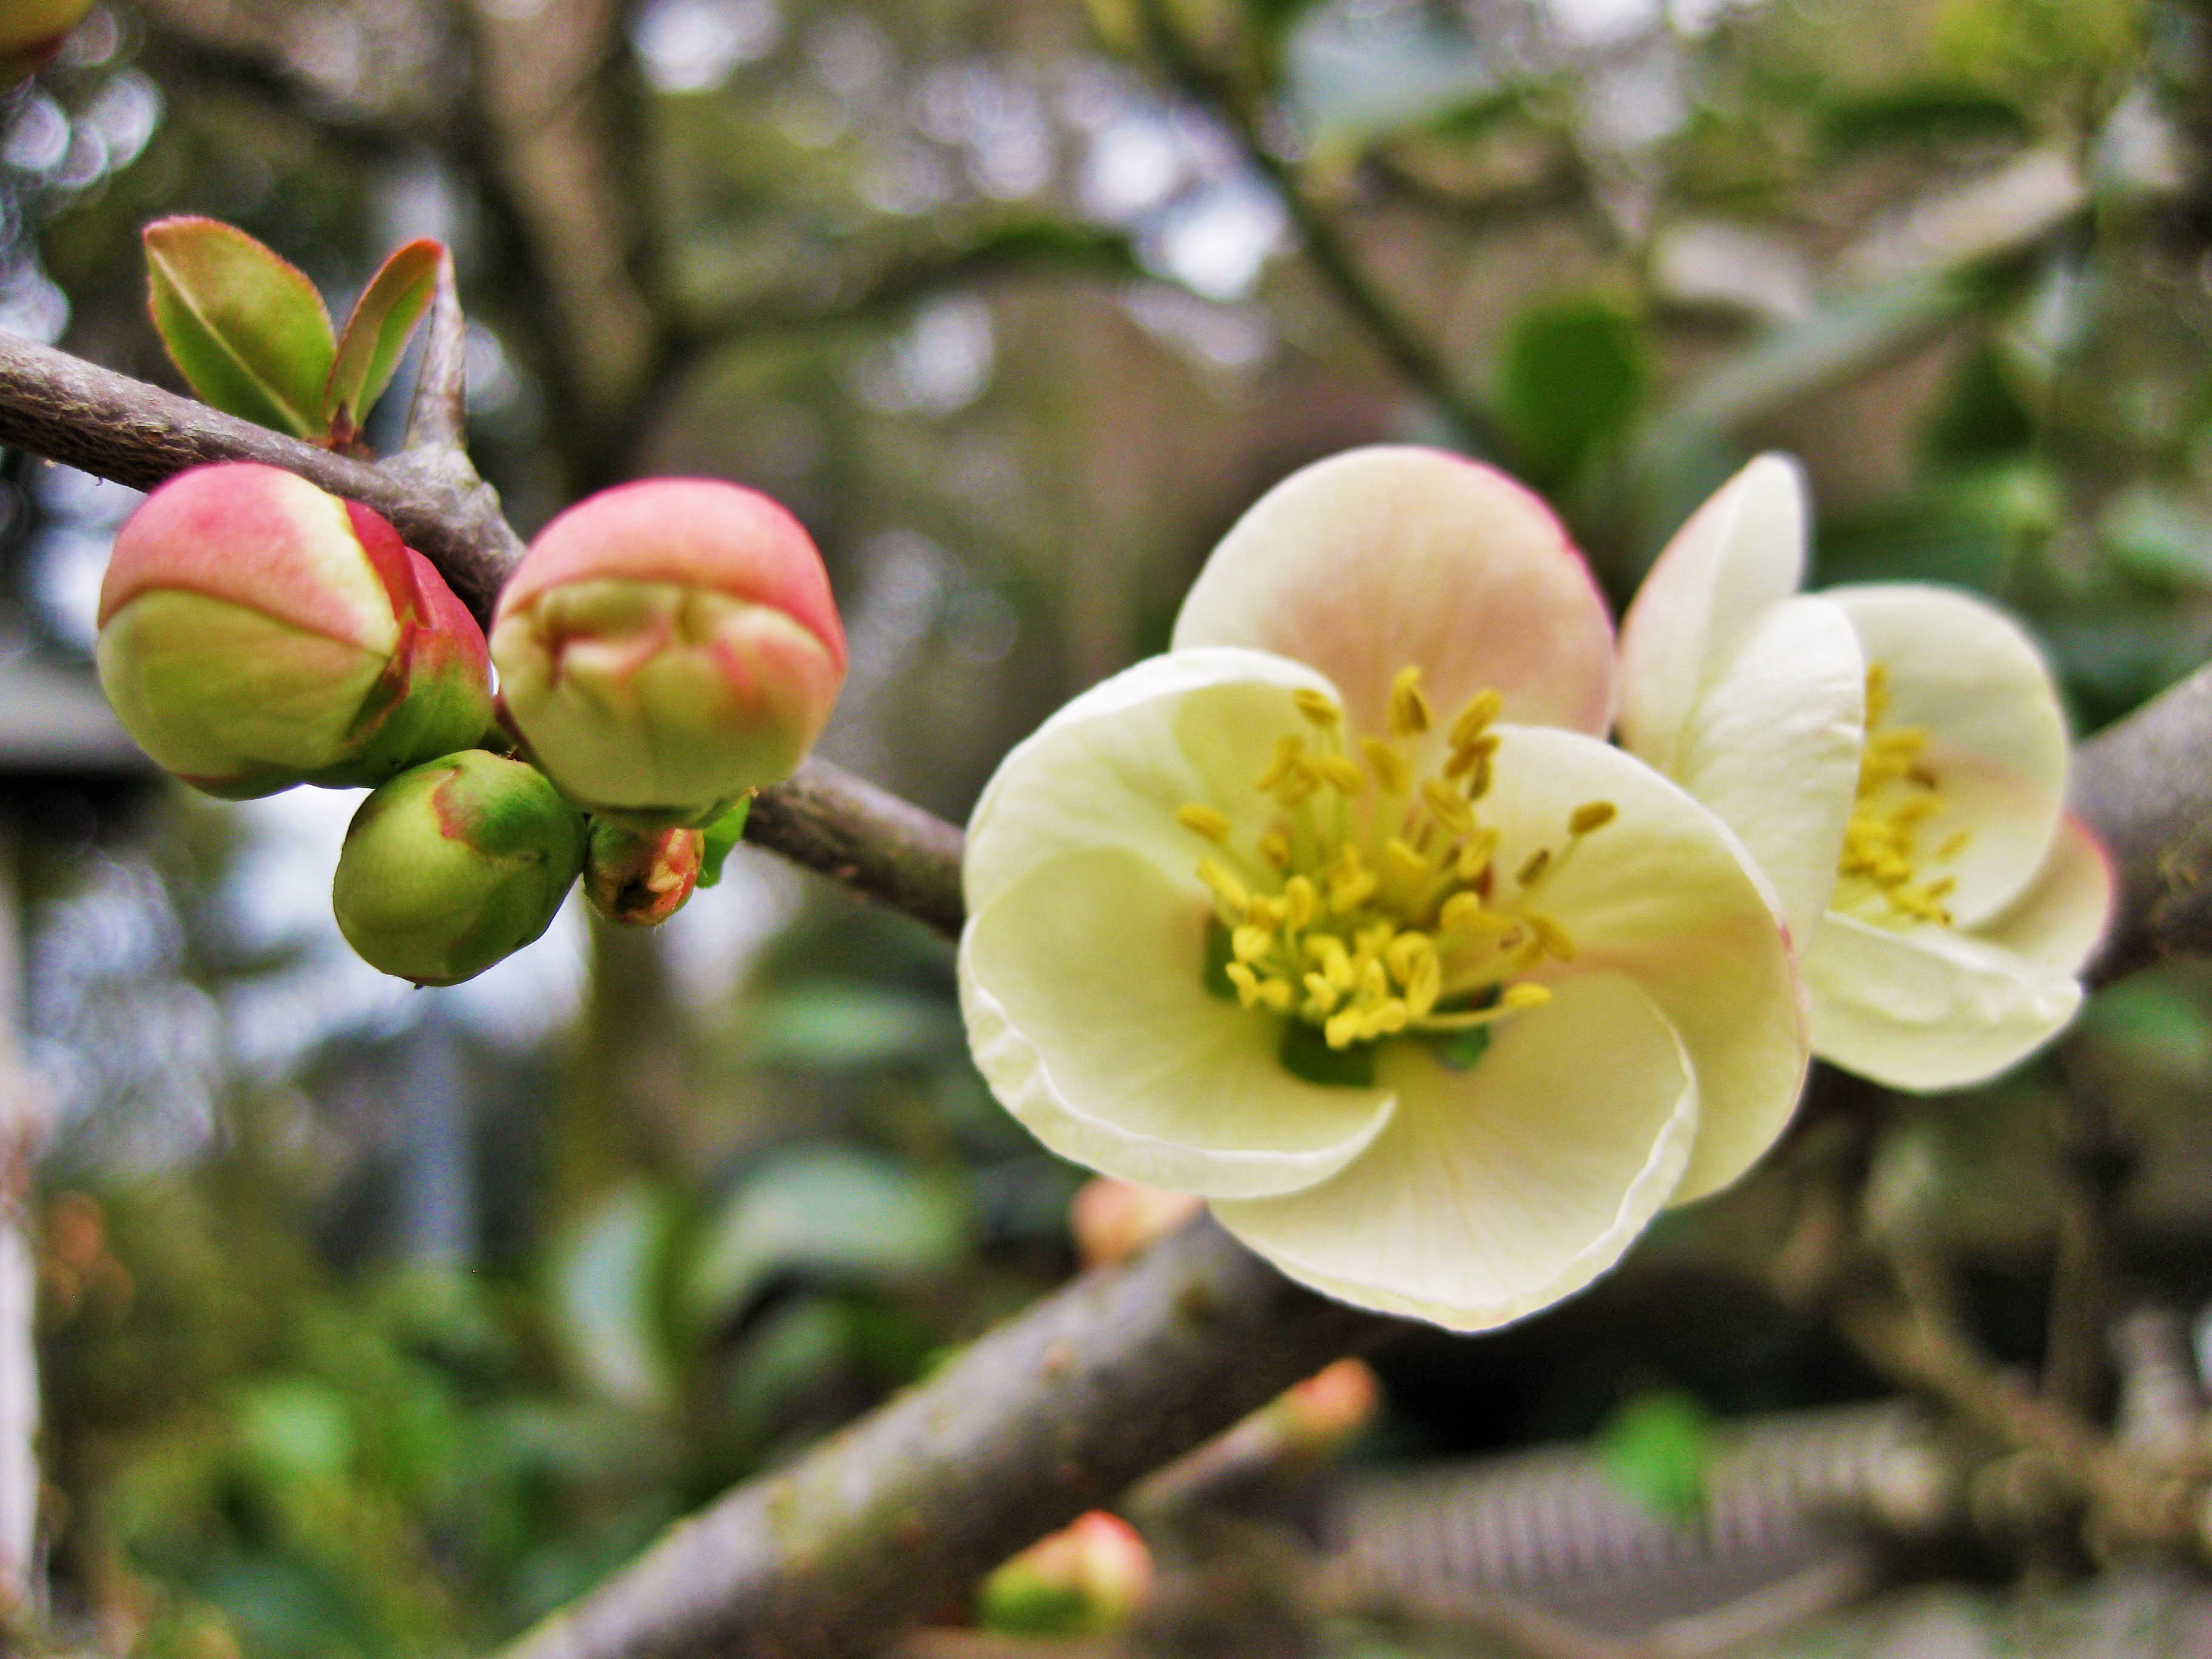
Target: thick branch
{"x":864,"y":838}
{"x":1045,"y":1418}
{"x":2141,"y":784}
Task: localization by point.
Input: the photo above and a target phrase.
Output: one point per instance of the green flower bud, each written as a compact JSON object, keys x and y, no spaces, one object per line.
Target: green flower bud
{"x":667,"y":645}
{"x":256,"y":632}
{"x":640,"y":880}
{"x":1085,"y":1581}
{"x":455,"y":865}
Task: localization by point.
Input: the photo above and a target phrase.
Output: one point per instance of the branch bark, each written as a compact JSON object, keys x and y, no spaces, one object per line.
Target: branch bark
{"x":1049,"y":1415}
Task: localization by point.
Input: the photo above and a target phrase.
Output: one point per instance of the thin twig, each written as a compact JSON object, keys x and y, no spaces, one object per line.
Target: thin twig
{"x":439,"y":417}
{"x":1331,"y":251}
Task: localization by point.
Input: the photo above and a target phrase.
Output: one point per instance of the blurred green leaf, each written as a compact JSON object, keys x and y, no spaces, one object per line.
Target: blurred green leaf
{"x":719,"y":838}
{"x":245,"y":327}
{"x":606,"y":1297}
{"x":1981,"y":417}
{"x":1349,"y":84}
{"x":829,"y":1210}
{"x":1917,"y":115}
{"x":295,"y":1430}
{"x":376,"y":334}
{"x":2153,"y":1023}
{"x":1572,"y":375}
{"x":832,"y":1025}
{"x":2158,"y":538}
{"x":1657,"y":1448}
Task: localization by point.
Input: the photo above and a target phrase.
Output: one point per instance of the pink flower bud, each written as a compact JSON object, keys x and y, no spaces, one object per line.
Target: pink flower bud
{"x":1085,"y":1581}
{"x":255,"y":632}
{"x":642,"y":880}
{"x":1113,"y":1220}
{"x":1330,"y":1408}
{"x":667,"y":645}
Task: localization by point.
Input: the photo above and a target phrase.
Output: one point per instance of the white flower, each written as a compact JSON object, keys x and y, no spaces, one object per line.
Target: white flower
{"x":1894,"y":755}
{"x":1343,"y":915}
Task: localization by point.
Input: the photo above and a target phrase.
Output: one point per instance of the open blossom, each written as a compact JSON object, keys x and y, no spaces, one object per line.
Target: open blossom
{"x":1342,"y":915}
{"x":1894,"y":757}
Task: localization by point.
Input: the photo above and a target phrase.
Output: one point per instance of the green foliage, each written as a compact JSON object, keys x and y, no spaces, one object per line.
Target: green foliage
{"x":1918,"y":116}
{"x":375,"y":335}
{"x":720,"y":838}
{"x":247,"y":328}
{"x":1657,"y":1447}
{"x":1572,"y":375}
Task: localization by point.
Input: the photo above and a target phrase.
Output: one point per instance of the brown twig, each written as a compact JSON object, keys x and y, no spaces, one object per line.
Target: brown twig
{"x":438,"y":419}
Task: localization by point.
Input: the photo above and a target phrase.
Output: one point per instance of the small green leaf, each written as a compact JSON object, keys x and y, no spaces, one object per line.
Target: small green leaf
{"x":1573,"y":375}
{"x":246,"y":328}
{"x":1459,"y":1051}
{"x":1657,"y":1448}
{"x":376,"y":334}
{"x":719,"y":837}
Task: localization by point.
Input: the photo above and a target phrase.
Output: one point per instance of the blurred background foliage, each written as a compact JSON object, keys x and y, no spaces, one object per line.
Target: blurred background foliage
{"x":378,"y":1322}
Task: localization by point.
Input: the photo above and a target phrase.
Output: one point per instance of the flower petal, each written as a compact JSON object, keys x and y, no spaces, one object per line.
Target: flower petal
{"x":1667,"y":895}
{"x":1498,"y":1190}
{"x":1963,"y":670}
{"x":1380,"y":558}
{"x":1087,"y":1011}
{"x":1111,"y":769}
{"x":2058,"y":922}
{"x":1774,"y":749}
{"x":1929,"y":1008}
{"x":1739,"y":554}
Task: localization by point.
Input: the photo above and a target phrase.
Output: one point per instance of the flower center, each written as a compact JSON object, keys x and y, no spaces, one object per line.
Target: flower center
{"x":1369,"y":906}
{"x":1880,"y":874}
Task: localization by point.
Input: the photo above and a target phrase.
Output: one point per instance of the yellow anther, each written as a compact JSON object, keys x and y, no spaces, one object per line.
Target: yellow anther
{"x":1450,"y":807}
{"x":1276,"y":995}
{"x":1247,"y":983}
{"x":1336,"y":963}
{"x":1425,"y":986}
{"x":1261,"y":911}
{"x":1481,"y":708}
{"x":1299,"y":784}
{"x":1877,"y":693}
{"x":1518,"y":997}
{"x":1460,"y":913}
{"x":1549,"y":934}
{"x":1301,"y":902}
{"x":1321,"y":997}
{"x":1401,"y":863}
{"x":1405,"y":953}
{"x":1342,"y":1030}
{"x":1289,"y":750}
{"x":1954,"y":844}
{"x":1478,"y":782}
{"x":1387,"y":765}
{"x":1369,"y":943}
{"x":1533,"y":867}
{"x":1235,"y":897}
{"x":1385,"y":1019}
{"x":1275,"y":848}
{"x":1341,"y":775}
{"x":1317,"y":707}
{"x":1250,"y":943}
{"x":1204,"y":821}
{"x":1475,"y":855}
{"x":1409,"y":709}
{"x":1591,"y":815}
{"x":1467,"y":756}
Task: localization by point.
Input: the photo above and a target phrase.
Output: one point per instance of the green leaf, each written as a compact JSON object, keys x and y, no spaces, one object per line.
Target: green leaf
{"x":825,"y":1211}
{"x":843,"y":1026}
{"x":246,"y":328}
{"x":606,"y":1274}
{"x":1918,"y":116}
{"x":1573,"y":376}
{"x":1657,"y":1448}
{"x":719,"y":838}
{"x":376,"y":334}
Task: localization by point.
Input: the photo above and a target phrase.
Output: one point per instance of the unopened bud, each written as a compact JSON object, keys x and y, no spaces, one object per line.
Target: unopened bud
{"x":1085,"y":1581}
{"x":32,"y":31}
{"x":640,"y":880}
{"x":1330,"y":1407}
{"x":255,"y":632}
{"x":455,"y":865}
{"x":1113,"y":1220}
{"x":668,"y":645}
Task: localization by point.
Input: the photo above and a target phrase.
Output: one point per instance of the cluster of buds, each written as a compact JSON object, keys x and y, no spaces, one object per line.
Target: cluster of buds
{"x":666,"y":648}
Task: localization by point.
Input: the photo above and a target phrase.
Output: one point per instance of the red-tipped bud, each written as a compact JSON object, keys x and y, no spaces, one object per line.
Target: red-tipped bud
{"x":32,"y":31}
{"x":455,"y":865}
{"x":642,"y":880}
{"x":255,"y":632}
{"x":1330,"y":1407}
{"x":667,"y":645}
{"x":1113,"y":1220}
{"x":1085,"y":1581}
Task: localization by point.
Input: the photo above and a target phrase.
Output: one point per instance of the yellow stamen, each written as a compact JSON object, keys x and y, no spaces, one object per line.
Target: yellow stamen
{"x":1317,"y":707}
{"x":1481,"y":708}
{"x":1234,"y":896}
{"x":1532,"y":869}
{"x":1450,"y":807}
{"x":1341,"y":775}
{"x":1204,"y":821}
{"x":1592,"y":815}
{"x":1409,"y":709}
{"x":1387,"y":765}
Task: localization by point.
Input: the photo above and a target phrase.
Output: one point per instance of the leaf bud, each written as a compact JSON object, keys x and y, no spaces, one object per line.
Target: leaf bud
{"x":255,"y":632}
{"x":1113,"y":1220}
{"x":640,"y":880}
{"x":455,"y":865}
{"x":666,"y":645}
{"x":1087,"y":1580}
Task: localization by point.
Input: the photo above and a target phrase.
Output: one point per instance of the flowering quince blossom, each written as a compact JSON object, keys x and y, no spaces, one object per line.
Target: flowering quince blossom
{"x":1343,"y":915}
{"x":1894,"y":757}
